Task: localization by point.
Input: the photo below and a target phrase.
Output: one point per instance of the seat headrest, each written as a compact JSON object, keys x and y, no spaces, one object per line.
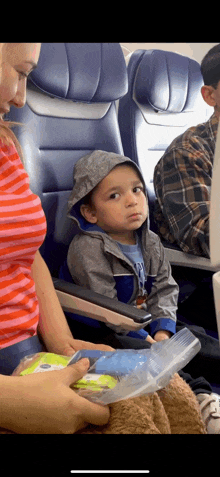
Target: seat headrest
{"x":169,"y":82}
{"x":84,"y":72}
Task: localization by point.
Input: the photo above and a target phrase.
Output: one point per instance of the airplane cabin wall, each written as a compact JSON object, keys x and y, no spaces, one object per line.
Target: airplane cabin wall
{"x":194,"y":50}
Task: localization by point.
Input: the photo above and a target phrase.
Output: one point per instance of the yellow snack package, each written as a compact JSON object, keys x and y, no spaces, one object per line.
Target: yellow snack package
{"x":41,"y":362}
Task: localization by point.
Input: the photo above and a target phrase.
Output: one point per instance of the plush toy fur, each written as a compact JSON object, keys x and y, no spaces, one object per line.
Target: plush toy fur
{"x":172,"y":410}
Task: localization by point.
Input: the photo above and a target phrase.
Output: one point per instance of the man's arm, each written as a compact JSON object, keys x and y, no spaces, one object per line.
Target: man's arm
{"x":182,"y":183}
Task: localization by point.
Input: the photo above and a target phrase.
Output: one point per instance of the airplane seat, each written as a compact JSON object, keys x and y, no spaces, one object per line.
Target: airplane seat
{"x":163,"y":100}
{"x":70,"y":111}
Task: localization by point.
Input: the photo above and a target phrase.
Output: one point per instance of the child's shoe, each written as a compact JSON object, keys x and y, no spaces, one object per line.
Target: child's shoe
{"x":210,"y":409}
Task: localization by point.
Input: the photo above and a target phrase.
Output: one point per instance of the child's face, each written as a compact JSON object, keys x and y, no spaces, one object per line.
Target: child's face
{"x":119,"y":203}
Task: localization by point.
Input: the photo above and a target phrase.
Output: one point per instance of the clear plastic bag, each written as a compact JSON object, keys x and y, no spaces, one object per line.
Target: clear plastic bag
{"x":40,"y":362}
{"x":121,"y":374}
{"x":143,"y":371}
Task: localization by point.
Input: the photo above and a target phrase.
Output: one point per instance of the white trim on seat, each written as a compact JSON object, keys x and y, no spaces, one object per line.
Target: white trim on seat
{"x":45,"y":105}
{"x":216,"y":291}
{"x":177,"y":257}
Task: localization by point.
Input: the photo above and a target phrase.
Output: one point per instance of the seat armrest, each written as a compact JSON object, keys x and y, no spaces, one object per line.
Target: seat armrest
{"x":81,"y":301}
{"x":177,"y":257}
{"x":216,"y":291}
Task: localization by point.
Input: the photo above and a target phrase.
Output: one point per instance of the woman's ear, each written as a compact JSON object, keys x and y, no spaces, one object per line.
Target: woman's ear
{"x":208,"y":94}
{"x":88,"y":213}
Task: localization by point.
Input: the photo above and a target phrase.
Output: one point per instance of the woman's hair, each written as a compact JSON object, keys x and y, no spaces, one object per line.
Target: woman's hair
{"x":8,"y":137}
{"x":6,"y":134}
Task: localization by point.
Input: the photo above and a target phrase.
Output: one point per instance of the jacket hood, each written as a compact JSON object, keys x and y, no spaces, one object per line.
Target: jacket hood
{"x":87,"y":174}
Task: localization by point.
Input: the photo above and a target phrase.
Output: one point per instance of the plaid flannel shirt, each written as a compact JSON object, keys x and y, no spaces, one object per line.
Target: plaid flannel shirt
{"x":182,"y":182}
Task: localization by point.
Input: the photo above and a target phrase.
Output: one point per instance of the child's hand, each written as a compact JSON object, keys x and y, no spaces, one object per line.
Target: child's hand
{"x":162,"y":335}
{"x":150,"y":339}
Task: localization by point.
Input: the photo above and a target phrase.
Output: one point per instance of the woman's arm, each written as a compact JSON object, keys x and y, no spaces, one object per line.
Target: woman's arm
{"x":53,"y":326}
{"x":52,"y":323}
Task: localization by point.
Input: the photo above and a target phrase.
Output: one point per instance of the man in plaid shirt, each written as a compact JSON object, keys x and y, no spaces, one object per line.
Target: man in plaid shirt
{"x":182,"y":177}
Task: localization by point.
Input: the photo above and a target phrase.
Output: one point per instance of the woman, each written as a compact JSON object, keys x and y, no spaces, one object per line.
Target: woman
{"x":41,"y":403}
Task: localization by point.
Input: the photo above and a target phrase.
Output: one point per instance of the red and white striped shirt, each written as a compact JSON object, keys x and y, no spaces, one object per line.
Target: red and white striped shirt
{"x":22,"y":231}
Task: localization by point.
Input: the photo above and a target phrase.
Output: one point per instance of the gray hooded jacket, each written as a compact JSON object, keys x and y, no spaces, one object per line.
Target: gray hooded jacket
{"x":96,"y":262}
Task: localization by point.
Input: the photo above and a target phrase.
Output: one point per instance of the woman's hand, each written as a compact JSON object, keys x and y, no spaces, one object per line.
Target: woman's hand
{"x":43,"y":403}
{"x":68,"y":346}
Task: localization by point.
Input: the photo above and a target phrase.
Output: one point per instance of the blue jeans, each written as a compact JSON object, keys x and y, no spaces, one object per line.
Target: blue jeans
{"x":11,"y":356}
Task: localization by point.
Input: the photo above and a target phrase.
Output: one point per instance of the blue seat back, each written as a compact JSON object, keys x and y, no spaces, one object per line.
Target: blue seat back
{"x":70,"y":111}
{"x":163,"y":100}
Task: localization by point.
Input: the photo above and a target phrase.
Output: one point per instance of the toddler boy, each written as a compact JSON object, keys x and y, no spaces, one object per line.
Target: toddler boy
{"x":115,"y":253}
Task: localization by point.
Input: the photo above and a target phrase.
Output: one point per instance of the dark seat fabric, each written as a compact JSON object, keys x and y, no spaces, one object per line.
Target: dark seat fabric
{"x":163,"y":100}
{"x":70,"y":111}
